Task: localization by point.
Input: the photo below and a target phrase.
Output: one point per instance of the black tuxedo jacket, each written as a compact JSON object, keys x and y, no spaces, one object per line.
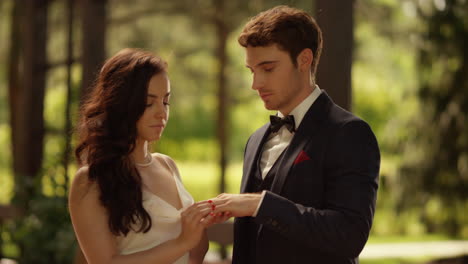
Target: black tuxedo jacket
{"x":321,"y":203}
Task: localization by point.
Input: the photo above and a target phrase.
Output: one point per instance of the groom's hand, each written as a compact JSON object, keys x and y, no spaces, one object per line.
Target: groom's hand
{"x":219,"y":218}
{"x":238,"y":205}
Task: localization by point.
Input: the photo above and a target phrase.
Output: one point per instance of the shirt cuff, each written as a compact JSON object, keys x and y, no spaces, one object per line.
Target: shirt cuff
{"x":259,"y":204}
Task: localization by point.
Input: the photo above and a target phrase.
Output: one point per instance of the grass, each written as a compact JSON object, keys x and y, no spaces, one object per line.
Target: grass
{"x":407,"y":238}
{"x":6,"y":185}
{"x":394,"y":261}
{"x":6,"y":181}
{"x":202,"y":179}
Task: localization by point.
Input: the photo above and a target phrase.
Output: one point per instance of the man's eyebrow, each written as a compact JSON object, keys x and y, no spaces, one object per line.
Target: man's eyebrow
{"x":262,"y":63}
{"x":155,"y":96}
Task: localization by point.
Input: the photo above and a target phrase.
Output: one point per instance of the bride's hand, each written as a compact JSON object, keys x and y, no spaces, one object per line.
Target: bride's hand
{"x":194,"y":221}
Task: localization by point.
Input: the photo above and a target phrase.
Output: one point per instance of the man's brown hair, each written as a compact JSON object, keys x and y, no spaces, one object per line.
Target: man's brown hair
{"x":293,"y":30}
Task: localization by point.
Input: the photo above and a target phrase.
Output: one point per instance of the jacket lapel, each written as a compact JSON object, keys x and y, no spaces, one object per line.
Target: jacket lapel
{"x":308,"y":129}
{"x":252,"y":153}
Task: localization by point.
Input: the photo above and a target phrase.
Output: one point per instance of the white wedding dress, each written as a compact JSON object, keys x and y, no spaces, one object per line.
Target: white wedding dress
{"x":166,"y":222}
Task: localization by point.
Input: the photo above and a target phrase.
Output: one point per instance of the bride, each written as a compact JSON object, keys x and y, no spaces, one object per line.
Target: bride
{"x":127,"y":205}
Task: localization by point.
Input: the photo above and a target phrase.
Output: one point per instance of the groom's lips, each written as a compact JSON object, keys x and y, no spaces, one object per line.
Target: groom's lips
{"x":265,"y":95}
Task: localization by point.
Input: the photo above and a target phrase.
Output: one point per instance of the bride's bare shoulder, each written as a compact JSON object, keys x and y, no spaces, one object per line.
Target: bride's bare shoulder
{"x":81,"y":185}
{"x":164,"y":158}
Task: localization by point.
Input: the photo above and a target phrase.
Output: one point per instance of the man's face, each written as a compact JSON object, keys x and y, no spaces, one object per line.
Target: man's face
{"x":275,"y":78}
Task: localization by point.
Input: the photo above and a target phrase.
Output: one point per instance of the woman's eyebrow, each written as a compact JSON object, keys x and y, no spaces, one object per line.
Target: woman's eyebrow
{"x":155,"y":96}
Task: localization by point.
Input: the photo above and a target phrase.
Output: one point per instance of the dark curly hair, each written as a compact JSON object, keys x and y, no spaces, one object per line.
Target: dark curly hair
{"x":107,"y":135}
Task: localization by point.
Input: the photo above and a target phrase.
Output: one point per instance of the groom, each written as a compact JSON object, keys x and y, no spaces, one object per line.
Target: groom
{"x":310,"y":176}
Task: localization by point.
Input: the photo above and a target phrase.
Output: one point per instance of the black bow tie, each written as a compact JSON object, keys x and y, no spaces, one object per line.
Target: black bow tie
{"x":277,"y":122}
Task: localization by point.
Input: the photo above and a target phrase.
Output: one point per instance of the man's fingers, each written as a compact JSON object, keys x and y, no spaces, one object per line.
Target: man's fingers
{"x":222,"y":208}
{"x":223,"y":218}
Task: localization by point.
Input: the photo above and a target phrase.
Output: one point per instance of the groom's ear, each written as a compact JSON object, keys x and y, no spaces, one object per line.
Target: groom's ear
{"x":304,"y":60}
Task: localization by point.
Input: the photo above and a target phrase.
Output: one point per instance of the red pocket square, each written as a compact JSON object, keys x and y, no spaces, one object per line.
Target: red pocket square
{"x":301,"y":157}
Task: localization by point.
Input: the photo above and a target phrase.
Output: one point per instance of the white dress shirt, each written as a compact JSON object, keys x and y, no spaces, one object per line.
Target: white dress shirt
{"x":279,"y":141}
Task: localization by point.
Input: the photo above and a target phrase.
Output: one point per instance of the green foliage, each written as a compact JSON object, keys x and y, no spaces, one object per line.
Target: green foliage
{"x":437,"y":158}
{"x":4,"y":44}
{"x":189,"y":149}
{"x":422,"y":184}
{"x":44,"y":234}
{"x":383,"y":94}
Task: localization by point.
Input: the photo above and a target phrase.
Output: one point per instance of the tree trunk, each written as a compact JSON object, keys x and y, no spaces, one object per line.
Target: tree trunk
{"x":67,"y":132}
{"x":222,"y":34}
{"x":27,"y":98}
{"x":93,"y":22}
{"x":14,"y":86}
{"x":335,"y":17}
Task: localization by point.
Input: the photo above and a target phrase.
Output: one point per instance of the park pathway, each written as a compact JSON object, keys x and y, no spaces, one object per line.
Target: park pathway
{"x":416,"y":249}
{"x":432,"y":249}
{"x":435,"y":249}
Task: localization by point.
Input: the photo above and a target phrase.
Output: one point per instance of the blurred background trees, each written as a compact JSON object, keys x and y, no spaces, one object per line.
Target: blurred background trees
{"x":400,"y":65}
{"x":435,"y":168}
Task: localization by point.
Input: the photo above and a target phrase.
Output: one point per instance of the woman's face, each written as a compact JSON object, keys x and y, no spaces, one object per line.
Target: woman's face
{"x":153,"y":121}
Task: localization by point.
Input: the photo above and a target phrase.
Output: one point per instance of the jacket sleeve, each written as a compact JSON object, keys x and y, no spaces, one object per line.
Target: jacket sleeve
{"x":342,"y":225}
